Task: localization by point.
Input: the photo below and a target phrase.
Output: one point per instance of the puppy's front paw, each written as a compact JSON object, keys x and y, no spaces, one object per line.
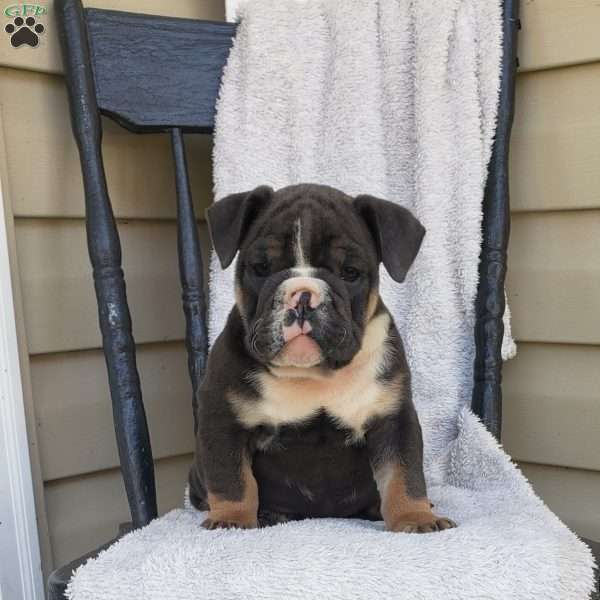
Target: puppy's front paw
{"x":420,"y":522}
{"x":225,"y":522}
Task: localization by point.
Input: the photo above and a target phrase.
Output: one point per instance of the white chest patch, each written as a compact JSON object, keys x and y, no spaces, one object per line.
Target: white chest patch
{"x":352,"y":395}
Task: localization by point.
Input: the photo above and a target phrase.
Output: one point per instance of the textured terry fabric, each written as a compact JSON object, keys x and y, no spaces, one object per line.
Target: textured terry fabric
{"x":507,"y":546}
{"x":395,"y":98}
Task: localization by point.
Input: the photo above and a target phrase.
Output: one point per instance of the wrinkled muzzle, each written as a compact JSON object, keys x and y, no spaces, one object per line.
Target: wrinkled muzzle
{"x":302,"y":321}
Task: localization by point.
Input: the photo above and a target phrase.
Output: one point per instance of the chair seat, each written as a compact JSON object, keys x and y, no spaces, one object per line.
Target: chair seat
{"x":175,"y":558}
{"x":507,"y":545}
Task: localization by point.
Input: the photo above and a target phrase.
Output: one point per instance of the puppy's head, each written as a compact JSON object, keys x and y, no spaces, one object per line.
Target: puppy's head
{"x":307,"y":273}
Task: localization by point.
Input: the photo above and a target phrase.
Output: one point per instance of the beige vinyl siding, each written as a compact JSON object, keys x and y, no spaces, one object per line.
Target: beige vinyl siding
{"x":572,"y":494}
{"x":551,"y":405}
{"x":87,"y":508}
{"x":72,"y":395}
{"x":58,"y":291}
{"x":80,"y":495}
{"x":554,"y":276}
{"x":551,"y":408}
{"x":558,"y":32}
{"x":555,"y":152}
{"x":138,"y":189}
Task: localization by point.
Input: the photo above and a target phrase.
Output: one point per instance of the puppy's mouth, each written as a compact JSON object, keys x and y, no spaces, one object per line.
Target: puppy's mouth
{"x":299,"y":348}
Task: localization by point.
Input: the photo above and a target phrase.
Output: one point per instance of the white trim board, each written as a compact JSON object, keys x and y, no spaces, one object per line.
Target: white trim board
{"x":20,"y":564}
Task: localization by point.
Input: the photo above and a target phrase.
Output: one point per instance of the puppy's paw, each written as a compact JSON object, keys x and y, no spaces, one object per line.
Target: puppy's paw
{"x":420,"y":522}
{"x":224,"y":522}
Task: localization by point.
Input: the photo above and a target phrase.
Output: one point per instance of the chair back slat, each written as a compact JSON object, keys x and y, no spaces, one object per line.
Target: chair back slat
{"x":190,"y":271}
{"x":155,"y":73}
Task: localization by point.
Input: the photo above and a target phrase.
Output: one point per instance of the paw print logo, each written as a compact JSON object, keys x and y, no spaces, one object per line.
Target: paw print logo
{"x":24,"y":31}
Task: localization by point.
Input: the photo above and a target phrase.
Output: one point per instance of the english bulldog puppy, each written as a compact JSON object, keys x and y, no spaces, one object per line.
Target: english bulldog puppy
{"x":305,"y":409}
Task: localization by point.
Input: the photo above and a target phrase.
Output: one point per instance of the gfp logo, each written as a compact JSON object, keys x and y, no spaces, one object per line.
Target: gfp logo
{"x":24,"y":28}
{"x":25,"y":10}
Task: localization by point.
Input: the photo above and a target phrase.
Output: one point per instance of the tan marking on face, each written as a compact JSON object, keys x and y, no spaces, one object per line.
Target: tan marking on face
{"x":239,"y":295}
{"x":242,"y":513}
{"x":239,"y":298}
{"x":372,"y":304}
{"x":351,"y":395}
{"x":400,"y":511}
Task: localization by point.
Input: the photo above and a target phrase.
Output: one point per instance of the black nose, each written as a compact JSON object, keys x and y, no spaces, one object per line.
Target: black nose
{"x":303,"y":307}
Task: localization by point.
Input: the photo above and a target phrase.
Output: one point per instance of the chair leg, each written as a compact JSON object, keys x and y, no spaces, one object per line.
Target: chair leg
{"x":104,"y":247}
{"x":190,"y":269}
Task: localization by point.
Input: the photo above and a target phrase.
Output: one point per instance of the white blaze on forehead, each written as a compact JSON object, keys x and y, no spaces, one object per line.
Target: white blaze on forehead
{"x":302,"y":267}
{"x":298,"y":250}
{"x":303,"y":271}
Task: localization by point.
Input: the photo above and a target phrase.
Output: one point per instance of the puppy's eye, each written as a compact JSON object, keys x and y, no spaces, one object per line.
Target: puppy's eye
{"x":261,"y":269}
{"x":350,"y":274}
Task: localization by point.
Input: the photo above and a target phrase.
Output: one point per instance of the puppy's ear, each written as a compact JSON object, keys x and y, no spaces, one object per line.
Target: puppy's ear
{"x":397,"y":233}
{"x":230,"y":218}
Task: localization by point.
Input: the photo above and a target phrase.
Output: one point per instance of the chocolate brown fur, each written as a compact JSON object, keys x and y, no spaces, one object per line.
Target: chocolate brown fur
{"x":335,"y":437}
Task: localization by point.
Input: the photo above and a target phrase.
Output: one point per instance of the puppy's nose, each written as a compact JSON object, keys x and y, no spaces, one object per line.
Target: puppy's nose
{"x":303,"y":302}
{"x":302,"y":290}
{"x":303,"y":307}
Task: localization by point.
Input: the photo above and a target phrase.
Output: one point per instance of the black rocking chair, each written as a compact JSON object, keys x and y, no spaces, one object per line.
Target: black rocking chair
{"x":158,"y":74}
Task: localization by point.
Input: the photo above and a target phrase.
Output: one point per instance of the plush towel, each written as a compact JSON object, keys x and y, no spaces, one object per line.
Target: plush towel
{"x":395,"y":98}
{"x":234,"y":11}
{"x":508,"y":546}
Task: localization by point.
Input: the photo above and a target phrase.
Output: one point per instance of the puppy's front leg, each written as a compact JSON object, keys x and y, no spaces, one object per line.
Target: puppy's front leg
{"x":395,"y":448}
{"x":232,"y":492}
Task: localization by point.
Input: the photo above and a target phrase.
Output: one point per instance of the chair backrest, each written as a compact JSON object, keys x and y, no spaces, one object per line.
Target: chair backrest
{"x":154,"y":74}
{"x":157,"y":73}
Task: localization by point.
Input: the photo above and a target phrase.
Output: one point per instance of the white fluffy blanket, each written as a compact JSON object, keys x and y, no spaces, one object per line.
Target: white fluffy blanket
{"x":394,"y":98}
{"x":508,"y":546}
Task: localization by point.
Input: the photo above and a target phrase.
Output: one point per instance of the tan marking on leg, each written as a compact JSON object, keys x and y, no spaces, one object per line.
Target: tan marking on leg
{"x":400,"y":511}
{"x":225,"y":514}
